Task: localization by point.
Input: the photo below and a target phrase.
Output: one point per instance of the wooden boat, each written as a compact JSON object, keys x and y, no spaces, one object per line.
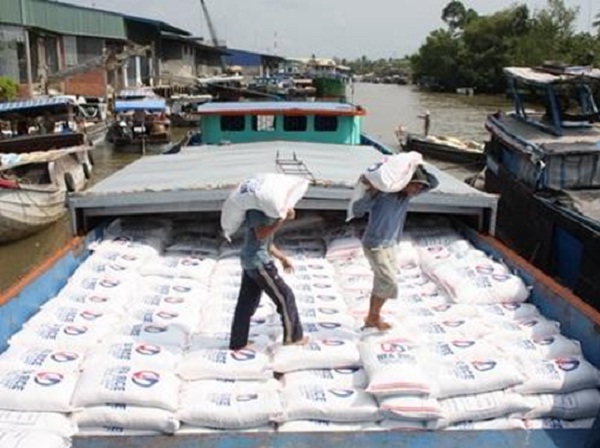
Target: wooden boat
{"x":140,"y":121}
{"x":449,"y":149}
{"x":544,"y":161}
{"x":37,"y":171}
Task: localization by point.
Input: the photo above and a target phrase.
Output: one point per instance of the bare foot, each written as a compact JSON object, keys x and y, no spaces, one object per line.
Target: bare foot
{"x":302,"y":341}
{"x":379,"y":324}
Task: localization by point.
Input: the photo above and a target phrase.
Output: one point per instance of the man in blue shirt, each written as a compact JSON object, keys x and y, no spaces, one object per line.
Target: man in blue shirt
{"x":387,"y":215}
{"x":260,"y":274}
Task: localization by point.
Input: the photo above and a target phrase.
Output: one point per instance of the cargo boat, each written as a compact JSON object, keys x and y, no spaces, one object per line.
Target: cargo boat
{"x":544,"y":165}
{"x":170,"y":184}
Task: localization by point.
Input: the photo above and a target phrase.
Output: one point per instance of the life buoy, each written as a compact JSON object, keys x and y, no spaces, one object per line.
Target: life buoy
{"x":9,"y":184}
{"x":69,"y":182}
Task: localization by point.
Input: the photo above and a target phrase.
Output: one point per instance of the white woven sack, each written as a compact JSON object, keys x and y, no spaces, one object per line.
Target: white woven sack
{"x":245,"y":406}
{"x":323,"y":313}
{"x":191,"y":430}
{"x":36,"y":390}
{"x":136,"y":418}
{"x":112,"y":431}
{"x":393,"y":173}
{"x":510,"y":311}
{"x":346,"y":378}
{"x":315,"y":402}
{"x":19,"y":438}
{"x":127,"y":384}
{"x":205,"y":341}
{"x":329,"y":329}
{"x":245,"y":364}
{"x":328,"y":353}
{"x":410,"y":408}
{"x":153,"y":334}
{"x":461,"y":349}
{"x":101,"y":285}
{"x":576,"y":405}
{"x":187,"y":322}
{"x":43,"y":358}
{"x":60,"y":336}
{"x":271,"y":193}
{"x":53,"y":422}
{"x":560,"y":375}
{"x":556,"y":346}
{"x":99,"y":266}
{"x":473,"y":377}
{"x":401,"y":425}
{"x":114,"y":304}
{"x":393,"y":367}
{"x":140,"y":354}
{"x":180,"y":304}
{"x":184,"y":266}
{"x":75,"y":315}
{"x":478,"y":407}
{"x":121,"y":258}
{"x":535,"y":328}
{"x":128,"y":247}
{"x":555,"y":423}
{"x":495,"y":424}
{"x":325,"y":426}
{"x":175,"y":287}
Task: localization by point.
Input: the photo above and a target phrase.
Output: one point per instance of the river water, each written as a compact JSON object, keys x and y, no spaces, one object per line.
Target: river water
{"x":387,"y":107}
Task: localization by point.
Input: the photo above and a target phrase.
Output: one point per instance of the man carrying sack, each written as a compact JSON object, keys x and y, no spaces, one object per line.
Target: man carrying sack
{"x":387,"y":216}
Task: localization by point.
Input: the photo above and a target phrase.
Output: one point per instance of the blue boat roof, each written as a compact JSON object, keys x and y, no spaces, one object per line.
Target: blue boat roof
{"x":34,"y":104}
{"x":158,"y":104}
{"x":280,"y":107}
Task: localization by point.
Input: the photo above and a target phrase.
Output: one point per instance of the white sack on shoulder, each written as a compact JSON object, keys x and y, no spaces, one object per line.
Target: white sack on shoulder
{"x":271,"y":193}
{"x":394,"y":173}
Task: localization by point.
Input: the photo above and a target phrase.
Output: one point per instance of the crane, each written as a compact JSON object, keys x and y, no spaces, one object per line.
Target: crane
{"x":212,"y":32}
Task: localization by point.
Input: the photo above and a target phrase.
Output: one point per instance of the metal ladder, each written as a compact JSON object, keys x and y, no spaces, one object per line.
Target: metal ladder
{"x":293,"y":166}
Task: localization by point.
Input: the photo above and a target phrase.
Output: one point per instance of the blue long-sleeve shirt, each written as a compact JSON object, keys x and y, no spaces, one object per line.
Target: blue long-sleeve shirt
{"x":387,"y":215}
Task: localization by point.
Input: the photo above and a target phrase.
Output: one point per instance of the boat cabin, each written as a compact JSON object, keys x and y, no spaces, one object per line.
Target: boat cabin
{"x":140,"y":120}
{"x":39,"y":124}
{"x":247,"y":122}
{"x":564,"y":93}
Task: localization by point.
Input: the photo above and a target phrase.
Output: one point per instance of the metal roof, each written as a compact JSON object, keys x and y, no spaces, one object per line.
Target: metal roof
{"x":535,"y":76}
{"x":63,"y":18}
{"x":33,"y":105}
{"x":280,"y":107}
{"x":201,"y":178}
{"x":150,"y":104}
{"x":142,"y":92}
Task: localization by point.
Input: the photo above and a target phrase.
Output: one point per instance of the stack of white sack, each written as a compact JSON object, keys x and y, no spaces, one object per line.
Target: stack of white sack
{"x":23,"y":438}
{"x":389,"y":175}
{"x":229,"y":404}
{"x":273,"y":194}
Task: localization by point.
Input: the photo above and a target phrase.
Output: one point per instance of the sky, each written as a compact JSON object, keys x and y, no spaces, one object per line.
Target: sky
{"x":326,"y":28}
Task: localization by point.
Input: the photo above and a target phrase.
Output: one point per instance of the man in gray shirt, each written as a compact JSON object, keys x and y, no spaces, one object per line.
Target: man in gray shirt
{"x":387,"y":215}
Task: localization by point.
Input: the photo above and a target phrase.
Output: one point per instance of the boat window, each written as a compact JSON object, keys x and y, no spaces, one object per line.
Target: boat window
{"x":232,"y":123}
{"x":294,"y":123}
{"x":263,"y":123}
{"x":326,"y":123}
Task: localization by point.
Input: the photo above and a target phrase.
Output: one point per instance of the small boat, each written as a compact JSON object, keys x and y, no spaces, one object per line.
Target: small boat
{"x":139,"y":121}
{"x":38,"y":170}
{"x":449,"y":149}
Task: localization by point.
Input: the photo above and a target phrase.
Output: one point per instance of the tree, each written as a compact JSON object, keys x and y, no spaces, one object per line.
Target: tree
{"x":8,"y":88}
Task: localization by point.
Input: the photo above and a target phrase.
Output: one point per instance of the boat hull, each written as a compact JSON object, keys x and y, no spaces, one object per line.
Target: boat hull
{"x":24,"y":212}
{"x":558,"y":243}
{"x":445,"y":153}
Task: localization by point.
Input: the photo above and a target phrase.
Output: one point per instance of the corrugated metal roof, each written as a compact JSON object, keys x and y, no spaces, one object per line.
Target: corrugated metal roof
{"x":280,"y":107}
{"x":539,"y":77}
{"x":36,"y":103}
{"x":142,"y":92}
{"x":154,"y":104}
{"x":201,"y":178}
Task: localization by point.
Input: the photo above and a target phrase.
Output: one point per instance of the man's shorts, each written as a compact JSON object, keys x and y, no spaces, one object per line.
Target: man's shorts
{"x":385,"y":267}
